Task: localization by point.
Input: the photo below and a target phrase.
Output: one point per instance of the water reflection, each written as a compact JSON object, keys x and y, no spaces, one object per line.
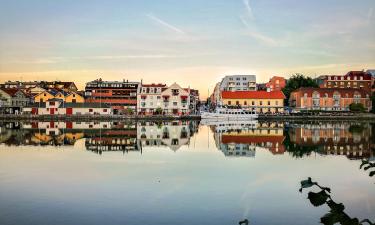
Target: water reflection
{"x":234,"y":139}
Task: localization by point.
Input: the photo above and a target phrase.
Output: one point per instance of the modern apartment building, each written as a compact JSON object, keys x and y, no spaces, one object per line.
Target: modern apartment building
{"x":120,"y":95}
{"x":238,"y":83}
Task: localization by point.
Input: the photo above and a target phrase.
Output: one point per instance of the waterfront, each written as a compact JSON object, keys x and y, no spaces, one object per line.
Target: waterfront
{"x":181,"y":172}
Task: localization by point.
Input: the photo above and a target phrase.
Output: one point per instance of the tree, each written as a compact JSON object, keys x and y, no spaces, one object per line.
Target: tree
{"x":129,"y":111}
{"x":356,"y":107}
{"x":297,"y":81}
{"x":159,"y":111}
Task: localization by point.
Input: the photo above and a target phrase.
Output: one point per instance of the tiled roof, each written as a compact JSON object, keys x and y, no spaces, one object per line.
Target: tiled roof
{"x":329,"y":91}
{"x":154,"y":85}
{"x":252,"y":95}
{"x":11,"y":91}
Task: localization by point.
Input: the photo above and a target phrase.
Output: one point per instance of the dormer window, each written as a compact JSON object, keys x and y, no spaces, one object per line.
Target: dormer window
{"x":175,"y":92}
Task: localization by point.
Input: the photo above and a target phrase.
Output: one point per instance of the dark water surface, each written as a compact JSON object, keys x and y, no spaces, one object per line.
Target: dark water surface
{"x":183,"y":172}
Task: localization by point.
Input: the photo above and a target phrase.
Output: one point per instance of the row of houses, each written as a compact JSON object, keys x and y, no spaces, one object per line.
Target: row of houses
{"x":335,"y":93}
{"x":99,"y":97}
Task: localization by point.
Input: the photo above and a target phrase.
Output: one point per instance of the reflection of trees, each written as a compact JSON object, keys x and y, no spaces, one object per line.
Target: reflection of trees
{"x":336,"y":213}
{"x":296,"y":150}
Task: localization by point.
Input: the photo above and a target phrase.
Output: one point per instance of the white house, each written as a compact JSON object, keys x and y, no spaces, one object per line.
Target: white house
{"x":157,"y":98}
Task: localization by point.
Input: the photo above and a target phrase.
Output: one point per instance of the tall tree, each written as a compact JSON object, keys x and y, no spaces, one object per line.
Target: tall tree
{"x":296,"y":81}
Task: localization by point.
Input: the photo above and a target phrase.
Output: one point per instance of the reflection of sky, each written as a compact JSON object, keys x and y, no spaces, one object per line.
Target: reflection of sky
{"x":62,"y":185}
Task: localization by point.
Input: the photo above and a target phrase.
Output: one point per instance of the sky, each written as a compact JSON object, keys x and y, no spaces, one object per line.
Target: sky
{"x":194,"y":43}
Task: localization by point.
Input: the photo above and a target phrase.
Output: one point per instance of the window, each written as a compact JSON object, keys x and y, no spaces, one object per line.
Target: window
{"x":90,"y":110}
{"x":245,"y":103}
{"x":104,"y":110}
{"x":268,"y":103}
{"x":260,"y":103}
{"x":229,"y":102}
{"x":252,"y":103}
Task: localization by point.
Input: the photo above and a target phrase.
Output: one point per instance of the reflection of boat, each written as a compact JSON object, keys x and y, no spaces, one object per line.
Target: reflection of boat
{"x":229,"y":114}
{"x":230,"y":125}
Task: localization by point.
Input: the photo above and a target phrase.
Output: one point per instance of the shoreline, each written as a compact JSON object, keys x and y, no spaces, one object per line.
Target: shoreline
{"x":354,"y":117}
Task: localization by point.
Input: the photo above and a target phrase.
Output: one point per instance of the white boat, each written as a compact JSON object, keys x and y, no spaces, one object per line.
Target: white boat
{"x":222,"y":113}
{"x":230,"y":125}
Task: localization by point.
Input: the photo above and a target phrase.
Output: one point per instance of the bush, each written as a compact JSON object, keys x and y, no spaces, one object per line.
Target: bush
{"x":357,"y":107}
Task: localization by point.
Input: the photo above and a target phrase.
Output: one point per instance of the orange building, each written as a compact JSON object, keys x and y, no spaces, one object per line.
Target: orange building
{"x":276,"y":83}
{"x":328,"y":99}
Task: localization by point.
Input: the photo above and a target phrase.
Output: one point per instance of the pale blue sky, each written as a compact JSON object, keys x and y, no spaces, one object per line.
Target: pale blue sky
{"x":191,"y":42}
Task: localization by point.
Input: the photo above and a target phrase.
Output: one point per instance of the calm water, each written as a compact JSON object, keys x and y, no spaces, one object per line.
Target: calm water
{"x":183,"y":172}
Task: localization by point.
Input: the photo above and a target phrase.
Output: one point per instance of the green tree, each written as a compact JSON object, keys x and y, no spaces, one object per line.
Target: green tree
{"x":159,"y":111}
{"x":356,"y":107}
{"x":296,"y":81}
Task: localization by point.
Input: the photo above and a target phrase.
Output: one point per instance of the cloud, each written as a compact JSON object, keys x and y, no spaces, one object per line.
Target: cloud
{"x":249,"y":11}
{"x":165,"y":24}
{"x":263,"y":38}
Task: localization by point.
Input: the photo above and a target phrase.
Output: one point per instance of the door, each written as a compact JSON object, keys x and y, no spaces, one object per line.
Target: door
{"x":52,"y":111}
{"x":69,"y":111}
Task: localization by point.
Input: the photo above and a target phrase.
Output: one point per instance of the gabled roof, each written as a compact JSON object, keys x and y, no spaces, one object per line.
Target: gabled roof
{"x":12,"y":91}
{"x":252,"y":95}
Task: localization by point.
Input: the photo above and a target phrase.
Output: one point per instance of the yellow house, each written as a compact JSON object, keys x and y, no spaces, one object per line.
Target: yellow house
{"x":74,"y":97}
{"x":43,"y":97}
{"x":69,"y":97}
{"x":261,"y":101}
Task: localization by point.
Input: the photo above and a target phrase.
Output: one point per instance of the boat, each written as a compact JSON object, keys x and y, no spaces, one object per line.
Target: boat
{"x":230,"y":125}
{"x":224,"y":113}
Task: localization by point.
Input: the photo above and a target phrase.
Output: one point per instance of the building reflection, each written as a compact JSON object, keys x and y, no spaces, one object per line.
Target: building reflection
{"x":100,"y":136}
{"x":171,"y":134}
{"x":243,"y":140}
{"x":352,"y":140}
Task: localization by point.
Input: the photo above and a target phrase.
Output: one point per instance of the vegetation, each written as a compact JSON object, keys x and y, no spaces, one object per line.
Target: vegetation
{"x":296,"y":81}
{"x":129,"y":111}
{"x":159,"y":111}
{"x":357,"y":107}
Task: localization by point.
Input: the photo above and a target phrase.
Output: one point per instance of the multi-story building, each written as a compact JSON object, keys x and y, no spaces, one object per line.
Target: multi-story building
{"x":149,"y":99}
{"x":12,"y":100}
{"x":353,"y":79}
{"x":238,"y":83}
{"x":121,"y":95}
{"x":328,"y":99}
{"x":194,"y":101}
{"x":159,"y":99}
{"x":276,"y":83}
{"x":261,"y":101}
{"x":26,"y":85}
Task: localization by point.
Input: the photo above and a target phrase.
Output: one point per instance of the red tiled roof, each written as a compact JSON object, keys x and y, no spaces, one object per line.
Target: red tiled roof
{"x":154,"y":85}
{"x":226,"y":139}
{"x":329,"y":91}
{"x":252,"y":95}
{"x":11,"y":91}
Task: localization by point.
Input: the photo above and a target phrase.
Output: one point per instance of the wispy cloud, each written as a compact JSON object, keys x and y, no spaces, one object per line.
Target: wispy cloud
{"x":263,"y":38}
{"x":165,"y":24}
{"x":370,"y":14}
{"x":249,"y":10}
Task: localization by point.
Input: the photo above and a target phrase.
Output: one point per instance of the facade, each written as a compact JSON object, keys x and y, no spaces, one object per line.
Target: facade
{"x":120,"y":95}
{"x":12,"y":100}
{"x":276,"y":83}
{"x":328,"y":99}
{"x":194,"y":101}
{"x":149,"y":99}
{"x":157,"y":98}
{"x":261,"y":101}
{"x":68,"y":97}
{"x":238,"y":83}
{"x":59,"y":107}
{"x":353,"y":79}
